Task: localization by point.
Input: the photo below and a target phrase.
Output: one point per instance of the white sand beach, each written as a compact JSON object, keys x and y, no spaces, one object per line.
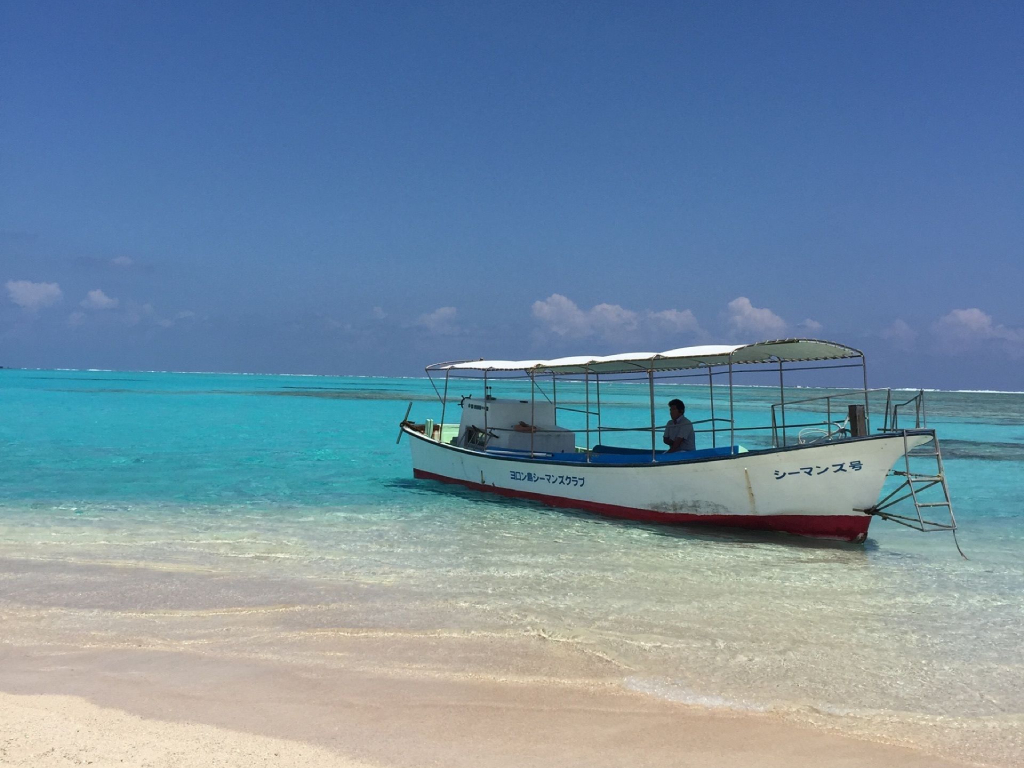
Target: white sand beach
{"x":287,"y":719}
{"x":380,"y":699}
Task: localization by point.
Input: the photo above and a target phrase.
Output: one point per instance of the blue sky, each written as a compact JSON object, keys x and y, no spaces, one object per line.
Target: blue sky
{"x":370,"y":187}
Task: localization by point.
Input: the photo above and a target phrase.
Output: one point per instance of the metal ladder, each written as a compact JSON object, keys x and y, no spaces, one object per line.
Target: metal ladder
{"x":916,"y":483}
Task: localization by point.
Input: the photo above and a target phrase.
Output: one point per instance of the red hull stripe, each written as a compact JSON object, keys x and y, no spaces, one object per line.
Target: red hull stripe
{"x":842,"y":527}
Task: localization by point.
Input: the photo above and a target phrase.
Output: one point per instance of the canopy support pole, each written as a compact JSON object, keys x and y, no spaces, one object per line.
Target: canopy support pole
{"x":444,"y":402}
{"x":431,"y":380}
{"x":597,"y":378}
{"x":714,"y":426}
{"x":650,"y":376}
{"x":485,"y":410}
{"x":586,"y":384}
{"x":533,"y":412}
{"x":732,"y":417}
{"x":867,"y":410}
{"x":782,"y":398}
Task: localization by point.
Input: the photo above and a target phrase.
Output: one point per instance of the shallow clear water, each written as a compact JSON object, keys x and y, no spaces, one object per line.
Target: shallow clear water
{"x":299,"y":478}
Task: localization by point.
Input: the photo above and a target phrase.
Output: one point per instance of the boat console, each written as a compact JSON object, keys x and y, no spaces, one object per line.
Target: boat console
{"x":512,"y":425}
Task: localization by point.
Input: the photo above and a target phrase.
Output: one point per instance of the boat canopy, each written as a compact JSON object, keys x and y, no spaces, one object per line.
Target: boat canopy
{"x":706,"y":356}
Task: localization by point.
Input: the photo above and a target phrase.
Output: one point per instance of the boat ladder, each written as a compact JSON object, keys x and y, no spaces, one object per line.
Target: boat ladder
{"x":927,"y":491}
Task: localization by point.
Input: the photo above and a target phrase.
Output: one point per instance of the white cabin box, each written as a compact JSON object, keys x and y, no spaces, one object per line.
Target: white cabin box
{"x":502,"y":417}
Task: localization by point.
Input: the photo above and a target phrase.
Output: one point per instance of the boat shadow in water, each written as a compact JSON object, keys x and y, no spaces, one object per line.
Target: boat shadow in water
{"x":681,"y":531}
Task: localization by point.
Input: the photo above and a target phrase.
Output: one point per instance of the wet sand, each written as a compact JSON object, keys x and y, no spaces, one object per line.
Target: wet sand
{"x":125,"y":664}
{"x":68,"y":706}
{"x":175,"y":709}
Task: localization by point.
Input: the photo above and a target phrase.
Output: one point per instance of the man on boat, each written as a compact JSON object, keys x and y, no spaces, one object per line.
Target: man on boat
{"x":679,"y":431}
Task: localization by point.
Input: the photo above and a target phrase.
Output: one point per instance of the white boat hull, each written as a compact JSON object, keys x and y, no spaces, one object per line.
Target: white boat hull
{"x":816,"y":490}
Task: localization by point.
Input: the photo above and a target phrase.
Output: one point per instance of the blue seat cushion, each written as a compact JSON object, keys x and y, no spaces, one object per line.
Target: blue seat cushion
{"x":608,"y":454}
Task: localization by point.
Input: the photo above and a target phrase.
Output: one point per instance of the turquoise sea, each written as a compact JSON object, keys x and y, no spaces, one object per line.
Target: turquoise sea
{"x":292,"y":479}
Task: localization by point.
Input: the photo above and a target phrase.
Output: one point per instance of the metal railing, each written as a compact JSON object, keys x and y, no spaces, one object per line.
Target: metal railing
{"x":917,"y":402}
{"x":828,"y":426}
{"x":833,"y":426}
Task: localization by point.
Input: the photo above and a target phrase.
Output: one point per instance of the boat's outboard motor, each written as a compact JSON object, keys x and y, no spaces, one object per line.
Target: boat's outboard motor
{"x":473,"y":437}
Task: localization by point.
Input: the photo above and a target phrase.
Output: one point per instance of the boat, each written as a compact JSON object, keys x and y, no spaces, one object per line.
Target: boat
{"x":812,"y":467}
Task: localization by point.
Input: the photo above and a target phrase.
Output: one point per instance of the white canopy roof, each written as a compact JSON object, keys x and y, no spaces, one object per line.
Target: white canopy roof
{"x":780,"y":350}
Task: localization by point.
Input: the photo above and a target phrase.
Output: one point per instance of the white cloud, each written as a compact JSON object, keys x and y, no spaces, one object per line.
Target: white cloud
{"x":967,"y":324}
{"x":165,"y":322}
{"x":33,"y":296}
{"x":811,"y":327}
{"x":900,"y":334}
{"x":122,"y":261}
{"x":129,"y":313}
{"x":440,"y":321}
{"x":613,"y":320}
{"x":744,"y":317}
{"x":99,"y":300}
{"x":134,"y":314}
{"x":963,"y":328}
{"x":378,"y":313}
{"x":563,"y":317}
{"x":674,"y":321}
